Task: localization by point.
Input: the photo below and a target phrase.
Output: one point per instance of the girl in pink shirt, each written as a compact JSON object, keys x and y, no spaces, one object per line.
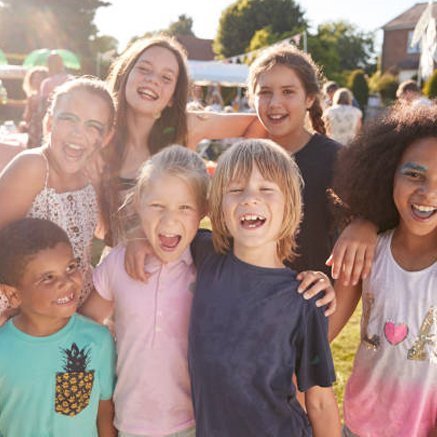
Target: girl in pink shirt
{"x":152,"y":395}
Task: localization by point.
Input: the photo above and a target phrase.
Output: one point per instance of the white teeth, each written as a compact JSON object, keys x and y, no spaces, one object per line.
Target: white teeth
{"x":251,"y":217}
{"x":66,"y":299}
{"x":169,"y":235}
{"x":74,"y":146}
{"x":276,"y":116}
{"x":423,"y":208}
{"x":148,"y":93}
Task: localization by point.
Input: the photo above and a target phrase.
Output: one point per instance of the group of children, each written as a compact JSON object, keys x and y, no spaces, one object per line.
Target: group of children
{"x":210,"y":344}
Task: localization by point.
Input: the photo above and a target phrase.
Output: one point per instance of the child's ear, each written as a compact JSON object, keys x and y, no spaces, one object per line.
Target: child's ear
{"x":108,"y":138}
{"x":11,"y":294}
{"x":309,"y":101}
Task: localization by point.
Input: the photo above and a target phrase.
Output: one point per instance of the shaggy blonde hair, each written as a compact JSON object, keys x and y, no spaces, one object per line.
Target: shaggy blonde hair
{"x":275,"y":165}
{"x":173,"y":160}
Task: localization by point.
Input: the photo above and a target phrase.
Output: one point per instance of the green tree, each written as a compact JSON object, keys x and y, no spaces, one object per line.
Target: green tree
{"x":430,"y":88}
{"x":26,"y":25}
{"x":183,"y":26}
{"x":357,"y":83}
{"x":339,"y":46}
{"x":241,"y":20}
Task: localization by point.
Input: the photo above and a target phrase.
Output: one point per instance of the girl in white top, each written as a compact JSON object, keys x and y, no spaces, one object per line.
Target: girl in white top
{"x":390,"y":176}
{"x":51,"y":181}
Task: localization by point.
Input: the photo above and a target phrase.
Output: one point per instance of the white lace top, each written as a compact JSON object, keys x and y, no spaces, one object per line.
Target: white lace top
{"x":76,"y":212}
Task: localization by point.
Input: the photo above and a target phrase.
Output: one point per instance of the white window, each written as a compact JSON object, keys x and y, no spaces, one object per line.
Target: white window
{"x":415,"y":48}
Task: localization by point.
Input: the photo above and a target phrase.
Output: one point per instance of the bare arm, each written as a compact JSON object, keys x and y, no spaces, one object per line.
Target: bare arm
{"x":105,"y":418}
{"x":348,"y":297}
{"x":352,"y":256}
{"x":322,"y":412}
{"x":20,"y":182}
{"x":97,"y":308}
{"x":211,"y":125}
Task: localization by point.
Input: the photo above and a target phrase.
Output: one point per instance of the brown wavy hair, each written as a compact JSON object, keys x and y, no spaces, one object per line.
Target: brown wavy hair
{"x":303,"y":65}
{"x":170,"y":128}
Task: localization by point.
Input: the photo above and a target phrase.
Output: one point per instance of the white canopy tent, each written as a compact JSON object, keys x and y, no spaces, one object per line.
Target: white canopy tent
{"x":212,"y":72}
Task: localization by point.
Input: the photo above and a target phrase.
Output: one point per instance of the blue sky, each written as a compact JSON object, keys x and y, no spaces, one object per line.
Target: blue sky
{"x":127,"y":18}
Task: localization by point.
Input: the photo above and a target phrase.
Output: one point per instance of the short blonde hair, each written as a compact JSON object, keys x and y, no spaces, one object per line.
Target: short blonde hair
{"x":275,"y":165}
{"x":174,"y":160}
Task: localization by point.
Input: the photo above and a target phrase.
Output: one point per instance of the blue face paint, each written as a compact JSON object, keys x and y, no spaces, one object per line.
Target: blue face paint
{"x":408,"y":167}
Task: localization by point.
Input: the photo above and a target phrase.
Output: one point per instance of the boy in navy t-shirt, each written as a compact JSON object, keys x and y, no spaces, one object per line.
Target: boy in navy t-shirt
{"x":250,"y":329}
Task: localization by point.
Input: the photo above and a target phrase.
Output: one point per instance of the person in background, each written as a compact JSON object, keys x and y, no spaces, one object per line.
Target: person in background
{"x":342,"y":120}
{"x":329,"y":89}
{"x":408,"y":92}
{"x":57,"y":76}
{"x":32,"y":116}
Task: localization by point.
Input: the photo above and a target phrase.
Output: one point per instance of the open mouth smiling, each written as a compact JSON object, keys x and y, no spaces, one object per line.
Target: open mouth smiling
{"x":148,"y":93}
{"x":251,"y":221}
{"x":423,"y":212}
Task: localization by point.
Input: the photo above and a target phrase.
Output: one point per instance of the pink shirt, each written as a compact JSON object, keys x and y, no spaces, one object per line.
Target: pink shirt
{"x":153,"y":394}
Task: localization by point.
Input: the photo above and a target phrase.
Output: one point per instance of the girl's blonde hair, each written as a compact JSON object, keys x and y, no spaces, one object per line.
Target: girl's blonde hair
{"x":173,"y":160}
{"x":275,"y":165}
{"x":302,"y":64}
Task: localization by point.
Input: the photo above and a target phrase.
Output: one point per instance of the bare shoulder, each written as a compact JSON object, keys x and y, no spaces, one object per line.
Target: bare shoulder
{"x":29,"y":165}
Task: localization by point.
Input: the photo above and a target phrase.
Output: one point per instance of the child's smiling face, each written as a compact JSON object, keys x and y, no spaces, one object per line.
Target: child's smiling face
{"x":50,"y":286}
{"x":415,"y":188}
{"x":78,"y":127}
{"x":152,"y":81}
{"x":281,"y":103}
{"x":170,"y":215}
{"x":254,"y":211}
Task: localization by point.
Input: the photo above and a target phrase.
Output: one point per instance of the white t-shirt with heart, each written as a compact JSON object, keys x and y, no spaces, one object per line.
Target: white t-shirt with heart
{"x":393,"y":387}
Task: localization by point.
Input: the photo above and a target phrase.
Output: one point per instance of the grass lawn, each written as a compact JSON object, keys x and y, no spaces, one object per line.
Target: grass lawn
{"x":343,"y":349}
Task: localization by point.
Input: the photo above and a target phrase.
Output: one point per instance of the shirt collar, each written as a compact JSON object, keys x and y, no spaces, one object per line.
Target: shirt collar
{"x":152,"y":263}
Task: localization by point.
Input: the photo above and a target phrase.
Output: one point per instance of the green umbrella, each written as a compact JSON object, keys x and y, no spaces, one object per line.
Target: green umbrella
{"x":3,"y":60}
{"x":39,"y":57}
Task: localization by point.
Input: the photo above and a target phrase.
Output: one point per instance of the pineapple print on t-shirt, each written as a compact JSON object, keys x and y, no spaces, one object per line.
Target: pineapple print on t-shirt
{"x":74,"y":385}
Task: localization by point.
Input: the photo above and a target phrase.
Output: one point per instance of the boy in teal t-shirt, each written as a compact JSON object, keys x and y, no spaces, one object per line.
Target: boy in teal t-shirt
{"x":56,"y":367}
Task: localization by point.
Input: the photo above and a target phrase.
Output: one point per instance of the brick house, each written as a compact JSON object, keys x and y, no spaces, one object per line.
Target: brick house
{"x":397,"y":54}
{"x":197,"y":48}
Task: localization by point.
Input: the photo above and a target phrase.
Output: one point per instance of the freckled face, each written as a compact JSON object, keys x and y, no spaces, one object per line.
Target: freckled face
{"x":152,"y":81}
{"x":415,"y":188}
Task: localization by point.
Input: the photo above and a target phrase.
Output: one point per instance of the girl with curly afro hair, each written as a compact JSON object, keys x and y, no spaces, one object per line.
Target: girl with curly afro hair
{"x":389,"y":176}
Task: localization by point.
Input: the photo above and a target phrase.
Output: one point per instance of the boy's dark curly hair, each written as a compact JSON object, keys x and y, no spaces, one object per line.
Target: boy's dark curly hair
{"x":20,"y":241}
{"x":365,"y":170}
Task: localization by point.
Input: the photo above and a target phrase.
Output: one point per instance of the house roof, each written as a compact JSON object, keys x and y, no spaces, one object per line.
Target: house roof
{"x":197,"y":48}
{"x":409,"y":18}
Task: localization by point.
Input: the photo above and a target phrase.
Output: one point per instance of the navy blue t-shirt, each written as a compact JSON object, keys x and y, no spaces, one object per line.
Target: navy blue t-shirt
{"x":316,"y":236}
{"x":250,"y":331}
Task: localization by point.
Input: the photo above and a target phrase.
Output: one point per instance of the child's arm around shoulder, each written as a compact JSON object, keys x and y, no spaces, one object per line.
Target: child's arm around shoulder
{"x":100,"y":304}
{"x":20,"y":182}
{"x":212,"y":125}
{"x":322,"y":412}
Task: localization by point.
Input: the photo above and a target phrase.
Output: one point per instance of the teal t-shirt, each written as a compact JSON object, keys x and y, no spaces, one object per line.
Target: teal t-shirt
{"x":51,"y":386}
